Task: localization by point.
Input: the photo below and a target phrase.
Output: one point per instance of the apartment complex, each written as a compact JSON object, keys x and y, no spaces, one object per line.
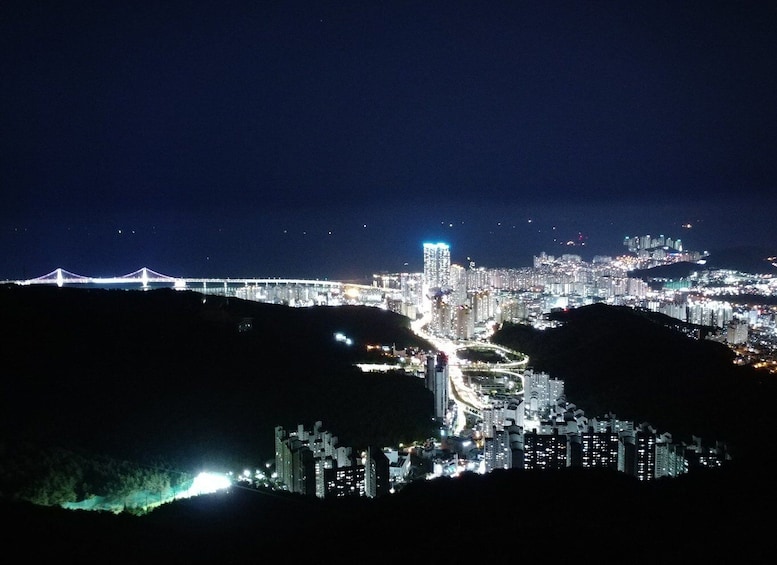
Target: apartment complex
{"x":311,"y":462}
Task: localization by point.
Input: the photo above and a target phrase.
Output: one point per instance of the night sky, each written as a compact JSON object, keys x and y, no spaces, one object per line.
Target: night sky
{"x":331,"y":139}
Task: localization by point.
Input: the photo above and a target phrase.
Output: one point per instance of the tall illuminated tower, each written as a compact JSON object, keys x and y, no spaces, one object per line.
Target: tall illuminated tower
{"x":437,"y":267}
{"x":438,"y":381}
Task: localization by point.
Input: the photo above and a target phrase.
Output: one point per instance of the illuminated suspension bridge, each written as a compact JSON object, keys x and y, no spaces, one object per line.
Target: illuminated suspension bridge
{"x":297,"y":292}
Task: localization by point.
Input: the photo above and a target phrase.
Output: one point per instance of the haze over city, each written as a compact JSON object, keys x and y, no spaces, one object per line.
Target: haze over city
{"x":330,"y":140}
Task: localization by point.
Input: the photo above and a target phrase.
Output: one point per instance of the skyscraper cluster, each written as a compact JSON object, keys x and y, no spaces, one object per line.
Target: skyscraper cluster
{"x":311,"y":462}
{"x":540,"y":430}
{"x":645,"y":242}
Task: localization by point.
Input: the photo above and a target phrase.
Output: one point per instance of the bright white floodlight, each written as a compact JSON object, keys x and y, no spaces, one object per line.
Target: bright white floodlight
{"x":206,"y":483}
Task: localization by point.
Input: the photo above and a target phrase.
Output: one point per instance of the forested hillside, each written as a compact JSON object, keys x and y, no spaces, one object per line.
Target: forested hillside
{"x":643,"y":367}
{"x":167,"y":376}
{"x":146,"y":375}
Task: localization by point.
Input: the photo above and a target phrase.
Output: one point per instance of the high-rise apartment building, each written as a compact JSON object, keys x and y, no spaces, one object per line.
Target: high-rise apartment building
{"x":736,"y":332}
{"x":311,"y":463}
{"x":545,"y":450}
{"x":496,"y":451}
{"x":599,"y":449}
{"x":541,"y":391}
{"x":458,"y":281}
{"x":437,"y":267}
{"x":463,"y":323}
{"x":437,"y":381}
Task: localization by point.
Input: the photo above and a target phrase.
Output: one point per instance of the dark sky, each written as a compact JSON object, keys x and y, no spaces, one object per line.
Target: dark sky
{"x":331,"y":139}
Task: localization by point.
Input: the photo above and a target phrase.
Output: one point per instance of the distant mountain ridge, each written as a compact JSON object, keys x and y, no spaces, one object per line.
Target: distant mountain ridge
{"x":746,"y":259}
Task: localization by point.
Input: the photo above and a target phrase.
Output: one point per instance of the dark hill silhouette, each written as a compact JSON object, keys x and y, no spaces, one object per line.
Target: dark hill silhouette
{"x":167,"y":374}
{"x":746,"y":258}
{"x":672,"y":271}
{"x":167,"y":370}
{"x":591,"y":515}
{"x":636,"y":365}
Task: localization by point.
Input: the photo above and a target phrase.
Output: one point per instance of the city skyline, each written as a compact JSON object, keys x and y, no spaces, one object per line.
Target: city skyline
{"x":428,"y":263}
{"x":314,"y":140}
{"x":435,"y":256}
